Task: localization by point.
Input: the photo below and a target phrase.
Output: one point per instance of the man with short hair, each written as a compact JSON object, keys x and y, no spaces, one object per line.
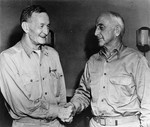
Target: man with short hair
{"x":31,"y":77}
{"x":115,"y":80}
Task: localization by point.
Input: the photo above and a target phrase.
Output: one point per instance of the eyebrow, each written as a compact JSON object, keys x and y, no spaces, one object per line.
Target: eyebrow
{"x":45,"y":24}
{"x":100,"y":24}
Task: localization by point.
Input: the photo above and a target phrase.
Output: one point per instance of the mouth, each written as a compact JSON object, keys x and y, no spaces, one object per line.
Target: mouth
{"x":99,"y":39}
{"x":43,"y":37}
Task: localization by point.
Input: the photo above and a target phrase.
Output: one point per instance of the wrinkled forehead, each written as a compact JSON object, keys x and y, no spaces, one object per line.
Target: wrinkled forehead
{"x":42,"y":17}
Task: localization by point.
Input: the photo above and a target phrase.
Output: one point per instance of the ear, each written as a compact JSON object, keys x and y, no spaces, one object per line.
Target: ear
{"x":25,"y":27}
{"x":117,"y":30}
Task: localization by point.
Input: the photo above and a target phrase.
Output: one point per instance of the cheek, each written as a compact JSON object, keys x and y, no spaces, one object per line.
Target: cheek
{"x":105,"y":35}
{"x":37,"y":32}
{"x":108,"y":35}
{"x":32,"y":32}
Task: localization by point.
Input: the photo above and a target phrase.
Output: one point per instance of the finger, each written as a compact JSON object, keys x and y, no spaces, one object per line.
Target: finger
{"x":69,"y":120}
{"x":67,"y":105}
{"x":62,"y":104}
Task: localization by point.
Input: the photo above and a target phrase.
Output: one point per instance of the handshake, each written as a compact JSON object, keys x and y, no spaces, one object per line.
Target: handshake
{"x":66,"y":112}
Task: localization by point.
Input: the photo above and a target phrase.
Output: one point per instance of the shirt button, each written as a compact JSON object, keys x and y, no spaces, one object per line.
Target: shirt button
{"x":104,"y":73}
{"x":31,"y":80}
{"x":45,"y":93}
{"x":36,"y":101}
{"x":102,"y":100}
{"x":43,"y":78}
{"x":104,"y":87}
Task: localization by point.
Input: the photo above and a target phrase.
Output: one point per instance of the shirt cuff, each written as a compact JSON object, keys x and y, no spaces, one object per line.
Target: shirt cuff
{"x":53,"y":111}
{"x":77,"y":106}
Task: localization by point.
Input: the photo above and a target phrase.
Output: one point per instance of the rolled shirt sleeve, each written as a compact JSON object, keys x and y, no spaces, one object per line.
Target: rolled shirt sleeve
{"x":81,"y":98}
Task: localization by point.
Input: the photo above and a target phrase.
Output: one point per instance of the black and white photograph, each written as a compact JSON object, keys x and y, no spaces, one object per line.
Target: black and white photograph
{"x":74,"y":63}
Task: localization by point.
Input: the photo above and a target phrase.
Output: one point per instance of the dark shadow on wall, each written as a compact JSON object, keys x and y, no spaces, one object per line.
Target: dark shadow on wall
{"x":5,"y":119}
{"x":15,"y":36}
{"x":91,"y":43}
{"x":78,"y":79}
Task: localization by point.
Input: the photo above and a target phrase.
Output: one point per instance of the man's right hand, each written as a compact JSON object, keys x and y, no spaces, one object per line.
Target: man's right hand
{"x":67,"y":112}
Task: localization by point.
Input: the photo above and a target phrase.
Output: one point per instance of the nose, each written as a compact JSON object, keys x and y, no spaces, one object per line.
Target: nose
{"x":97,"y":31}
{"x":45,"y":30}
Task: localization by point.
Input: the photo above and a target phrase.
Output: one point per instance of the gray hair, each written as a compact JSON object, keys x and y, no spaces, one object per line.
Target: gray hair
{"x":120,"y":21}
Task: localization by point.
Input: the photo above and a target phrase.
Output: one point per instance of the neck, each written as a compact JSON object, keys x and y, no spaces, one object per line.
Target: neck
{"x":29,"y":43}
{"x":111,"y":46}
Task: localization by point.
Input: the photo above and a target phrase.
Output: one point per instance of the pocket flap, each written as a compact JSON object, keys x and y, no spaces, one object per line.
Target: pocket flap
{"x":121,"y":80}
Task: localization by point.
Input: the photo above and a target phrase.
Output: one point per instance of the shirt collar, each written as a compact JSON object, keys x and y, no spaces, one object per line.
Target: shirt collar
{"x":109,"y":55}
{"x":28,"y":49}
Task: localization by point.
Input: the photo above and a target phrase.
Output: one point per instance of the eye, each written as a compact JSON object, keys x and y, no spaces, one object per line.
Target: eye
{"x":48,"y":27}
{"x":41,"y":25}
{"x":101,"y":27}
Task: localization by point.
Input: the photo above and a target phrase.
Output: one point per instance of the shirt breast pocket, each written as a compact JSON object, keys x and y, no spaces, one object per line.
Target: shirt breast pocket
{"x":123,"y":84}
{"x":55,"y":81}
{"x":31,"y":86}
{"x":121,"y":80}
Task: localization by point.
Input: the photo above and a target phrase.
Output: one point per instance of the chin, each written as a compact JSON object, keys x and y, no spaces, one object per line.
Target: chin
{"x":42,"y":42}
{"x":101,"y":44}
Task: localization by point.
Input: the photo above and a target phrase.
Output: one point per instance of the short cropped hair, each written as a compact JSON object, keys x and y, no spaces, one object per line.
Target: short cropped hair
{"x":27,"y":12}
{"x":120,"y":21}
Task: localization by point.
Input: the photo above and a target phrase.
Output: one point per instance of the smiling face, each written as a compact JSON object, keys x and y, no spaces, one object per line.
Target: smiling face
{"x":38,"y":28}
{"x":105,"y":30}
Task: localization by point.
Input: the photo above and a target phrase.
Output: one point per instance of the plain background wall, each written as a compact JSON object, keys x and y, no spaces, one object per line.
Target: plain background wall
{"x":73,"y":23}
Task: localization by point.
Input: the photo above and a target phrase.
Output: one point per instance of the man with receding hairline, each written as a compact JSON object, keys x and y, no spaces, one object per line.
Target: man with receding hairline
{"x":115,"y":81}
